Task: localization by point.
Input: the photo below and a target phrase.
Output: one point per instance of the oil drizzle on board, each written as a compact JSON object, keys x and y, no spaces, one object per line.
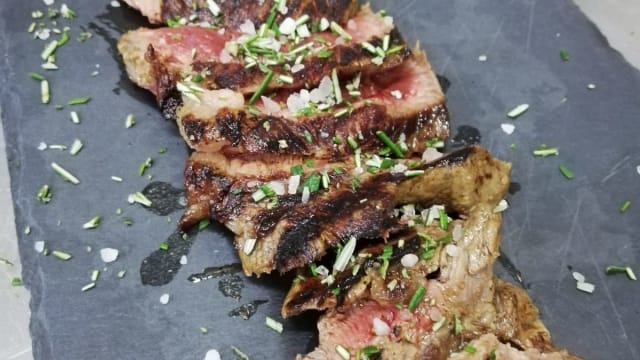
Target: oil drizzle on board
{"x":161,"y":266}
{"x":466,"y":135}
{"x":445,"y":83}
{"x":165,"y":198}
{"x":511,"y":268}
{"x":514,"y":187}
{"x":231,"y":286}
{"x":246,"y":311}
{"x":215,"y":272}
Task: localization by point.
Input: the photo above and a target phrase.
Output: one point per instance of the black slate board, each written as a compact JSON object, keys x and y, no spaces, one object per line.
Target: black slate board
{"x":553,"y":223}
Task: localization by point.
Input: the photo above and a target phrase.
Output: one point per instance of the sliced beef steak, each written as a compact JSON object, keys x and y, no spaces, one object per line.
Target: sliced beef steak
{"x":429,"y":293}
{"x":405,"y":102}
{"x":281,"y":226}
{"x":205,"y":58}
{"x":232,"y":13}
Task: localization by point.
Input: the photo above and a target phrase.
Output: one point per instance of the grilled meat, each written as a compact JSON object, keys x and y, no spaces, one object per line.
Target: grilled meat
{"x":283,"y":232}
{"x":426,"y":294}
{"x":235,"y":12}
{"x":157,"y":59}
{"x":404,"y":102}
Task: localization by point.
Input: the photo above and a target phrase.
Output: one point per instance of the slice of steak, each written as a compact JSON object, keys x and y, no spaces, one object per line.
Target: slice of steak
{"x":206,"y":58}
{"x":405,"y":102}
{"x":233,"y":13}
{"x":429,"y":293}
{"x":280,"y":230}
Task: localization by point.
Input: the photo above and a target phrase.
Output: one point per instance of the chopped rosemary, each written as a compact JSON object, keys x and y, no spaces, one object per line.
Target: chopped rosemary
{"x":518,"y":110}
{"x":387,"y":141}
{"x":76,"y":146}
{"x":274,"y":325}
{"x":44,"y":92}
{"x":144,"y":166}
{"x":79,"y":101}
{"x":36,"y":76}
{"x":129,"y":121}
{"x":545,"y":151}
{"x":457,"y":325}
{"x":44,"y":194}
{"x":262,"y":87}
{"x":67,"y":176}
{"x":625,"y":206}
{"x":335,"y":27}
{"x":417,"y":298}
{"x":566,"y":172}
{"x":92,"y":224}
{"x":203,"y":224}
{"x":621,"y":269}
{"x":61,"y":255}
{"x":74,"y":117}
{"x":88,"y":287}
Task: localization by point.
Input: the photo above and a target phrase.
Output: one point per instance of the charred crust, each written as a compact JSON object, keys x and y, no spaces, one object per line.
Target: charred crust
{"x":170,"y":103}
{"x":246,"y":135}
{"x":336,"y":218}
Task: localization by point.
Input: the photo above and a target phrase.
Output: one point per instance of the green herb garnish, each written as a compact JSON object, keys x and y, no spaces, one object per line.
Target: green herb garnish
{"x":79,"y":101}
{"x":417,"y":297}
{"x":387,"y":141}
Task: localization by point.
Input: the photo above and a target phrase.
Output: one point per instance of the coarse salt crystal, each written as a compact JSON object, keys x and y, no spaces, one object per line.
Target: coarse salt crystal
{"x":164,"y":299}
{"x":39,"y":246}
{"x":183,"y":260}
{"x":212,"y":354}
{"x":409,"y":260}
{"x":115,"y":4}
{"x":109,"y":255}
{"x":508,"y":128}
{"x":287,"y":26}
{"x":380,"y":327}
{"x":482,"y":58}
{"x":297,"y":67}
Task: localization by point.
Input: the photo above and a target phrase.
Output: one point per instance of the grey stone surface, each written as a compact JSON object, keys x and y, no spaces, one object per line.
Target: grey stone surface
{"x":553,"y":223}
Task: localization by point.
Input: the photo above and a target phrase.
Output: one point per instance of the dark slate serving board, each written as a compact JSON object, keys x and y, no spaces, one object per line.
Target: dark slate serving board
{"x":553,"y":223}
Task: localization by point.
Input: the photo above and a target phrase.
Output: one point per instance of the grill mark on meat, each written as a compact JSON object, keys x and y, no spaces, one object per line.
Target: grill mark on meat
{"x":330,"y":218}
{"x":246,"y":134}
{"x":419,"y":116}
{"x":285,"y":240}
{"x":235,"y":12}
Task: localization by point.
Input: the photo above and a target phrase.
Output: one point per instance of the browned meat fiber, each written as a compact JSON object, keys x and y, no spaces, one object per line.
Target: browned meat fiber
{"x":235,"y":12}
{"x":206,"y":58}
{"x":290,"y":227}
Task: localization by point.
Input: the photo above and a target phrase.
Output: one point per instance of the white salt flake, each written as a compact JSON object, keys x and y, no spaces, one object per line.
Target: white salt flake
{"x":49,"y":2}
{"x":42,"y":146}
{"x":183,"y":260}
{"x":638,"y":169}
{"x":482,"y":58}
{"x":109,"y":255}
{"x":115,"y":4}
{"x":212,"y":354}
{"x":380,"y":327}
{"x":409,"y":260}
{"x":397,"y":94}
{"x":508,"y":128}
{"x":39,"y":246}
{"x":297,"y":67}
{"x":248,"y":27}
{"x":164,"y":299}
{"x":288,"y":26}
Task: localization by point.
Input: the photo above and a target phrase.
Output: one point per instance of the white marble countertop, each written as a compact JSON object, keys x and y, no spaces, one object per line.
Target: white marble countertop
{"x":617,"y":19}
